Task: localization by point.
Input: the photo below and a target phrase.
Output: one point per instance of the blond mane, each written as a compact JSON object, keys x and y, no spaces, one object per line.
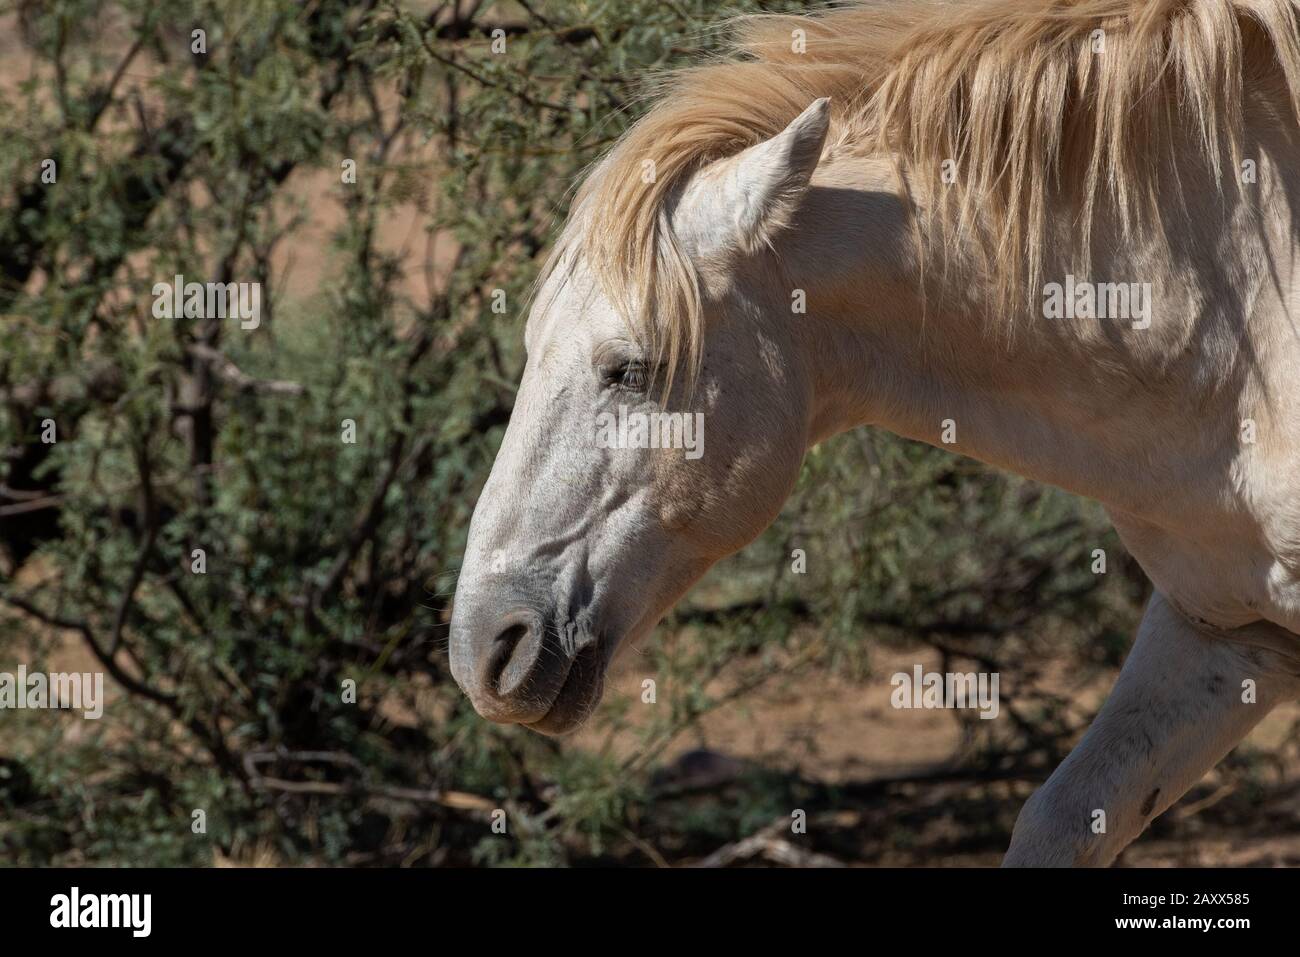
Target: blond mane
{"x":1011,"y":91}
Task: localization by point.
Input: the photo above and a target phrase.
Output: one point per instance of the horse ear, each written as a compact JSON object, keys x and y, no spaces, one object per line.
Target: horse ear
{"x":746,"y":199}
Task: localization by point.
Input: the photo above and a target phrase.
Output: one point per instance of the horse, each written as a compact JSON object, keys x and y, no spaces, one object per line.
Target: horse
{"x":931,"y":181}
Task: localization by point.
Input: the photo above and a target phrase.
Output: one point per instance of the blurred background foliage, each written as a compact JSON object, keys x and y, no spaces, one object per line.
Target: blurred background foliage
{"x":329,"y":562}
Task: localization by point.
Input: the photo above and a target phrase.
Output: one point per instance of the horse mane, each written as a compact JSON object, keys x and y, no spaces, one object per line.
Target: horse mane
{"x":1011,"y":91}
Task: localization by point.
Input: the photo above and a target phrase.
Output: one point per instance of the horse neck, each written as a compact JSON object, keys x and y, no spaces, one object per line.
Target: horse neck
{"x":1071,"y":401}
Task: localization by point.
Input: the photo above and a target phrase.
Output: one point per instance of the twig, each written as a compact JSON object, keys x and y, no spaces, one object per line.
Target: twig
{"x":146,"y":549}
{"x":456,"y":800}
{"x":1196,"y":807}
{"x":230,"y":373}
{"x":109,"y":663}
{"x":766,"y":843}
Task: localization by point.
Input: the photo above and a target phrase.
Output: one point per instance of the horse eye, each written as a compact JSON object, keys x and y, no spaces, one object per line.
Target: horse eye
{"x":630,"y":376}
{"x":634,"y":377}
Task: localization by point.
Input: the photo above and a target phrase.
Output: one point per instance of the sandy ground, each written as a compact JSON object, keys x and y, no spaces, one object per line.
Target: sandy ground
{"x":830,"y":731}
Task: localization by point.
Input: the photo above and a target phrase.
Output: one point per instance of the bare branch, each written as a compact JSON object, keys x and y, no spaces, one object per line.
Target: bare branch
{"x":230,"y":373}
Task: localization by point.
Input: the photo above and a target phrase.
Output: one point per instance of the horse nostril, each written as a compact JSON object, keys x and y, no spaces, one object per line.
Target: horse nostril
{"x":514,"y":652}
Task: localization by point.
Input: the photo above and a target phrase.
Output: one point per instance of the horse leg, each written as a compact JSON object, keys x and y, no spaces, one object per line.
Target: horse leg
{"x":1182,"y":701}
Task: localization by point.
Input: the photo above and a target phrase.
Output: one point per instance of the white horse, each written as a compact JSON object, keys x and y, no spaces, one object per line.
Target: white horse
{"x":1066,"y":231}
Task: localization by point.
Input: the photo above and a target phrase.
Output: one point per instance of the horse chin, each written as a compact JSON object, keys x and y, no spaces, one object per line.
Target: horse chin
{"x":578,"y":696}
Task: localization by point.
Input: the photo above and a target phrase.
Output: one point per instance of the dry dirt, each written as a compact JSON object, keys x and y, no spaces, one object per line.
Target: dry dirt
{"x":827,"y":730}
